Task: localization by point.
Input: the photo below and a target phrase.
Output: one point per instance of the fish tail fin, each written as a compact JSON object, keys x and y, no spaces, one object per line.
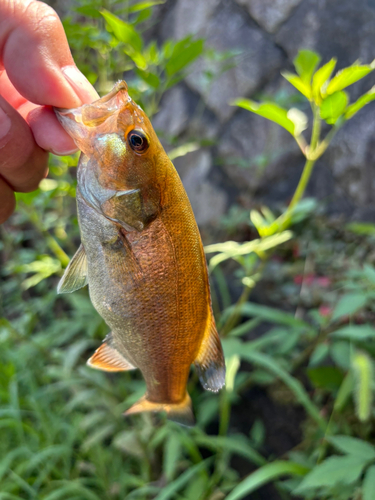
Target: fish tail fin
{"x":181,"y":413}
{"x":210,"y":363}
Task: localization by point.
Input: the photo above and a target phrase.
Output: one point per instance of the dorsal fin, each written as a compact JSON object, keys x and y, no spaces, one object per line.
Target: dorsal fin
{"x":107,"y":358}
{"x":75,"y":275}
{"x":210,"y":363}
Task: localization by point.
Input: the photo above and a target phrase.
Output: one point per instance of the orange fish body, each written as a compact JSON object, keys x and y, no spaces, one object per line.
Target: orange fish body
{"x":141,"y":255}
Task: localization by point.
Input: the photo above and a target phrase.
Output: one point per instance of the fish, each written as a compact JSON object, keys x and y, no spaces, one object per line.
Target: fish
{"x":141,"y":256}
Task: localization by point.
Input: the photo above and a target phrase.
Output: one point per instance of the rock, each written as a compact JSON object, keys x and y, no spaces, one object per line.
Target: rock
{"x":270,"y":14}
{"x":174,"y":113}
{"x":257,"y":59}
{"x":191,"y":16}
{"x":209,"y":202}
{"x":182,"y":112}
{"x":351,"y":158}
{"x":255,"y":151}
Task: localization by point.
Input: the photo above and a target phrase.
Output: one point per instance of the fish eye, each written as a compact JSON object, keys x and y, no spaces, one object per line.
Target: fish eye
{"x":138,"y":141}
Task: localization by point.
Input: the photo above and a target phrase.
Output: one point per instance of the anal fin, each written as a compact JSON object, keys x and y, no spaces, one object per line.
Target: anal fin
{"x":108,"y":358}
{"x":75,"y":275}
{"x":210,"y":363}
{"x":178,"y":412}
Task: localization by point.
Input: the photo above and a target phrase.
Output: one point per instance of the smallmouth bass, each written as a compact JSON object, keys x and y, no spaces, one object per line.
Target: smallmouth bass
{"x":141,"y":256}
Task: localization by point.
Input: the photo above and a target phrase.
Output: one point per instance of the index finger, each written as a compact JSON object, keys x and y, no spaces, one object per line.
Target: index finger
{"x":35,"y":53}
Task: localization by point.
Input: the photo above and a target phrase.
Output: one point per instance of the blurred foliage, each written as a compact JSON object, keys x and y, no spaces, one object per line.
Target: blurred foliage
{"x":311,"y":347}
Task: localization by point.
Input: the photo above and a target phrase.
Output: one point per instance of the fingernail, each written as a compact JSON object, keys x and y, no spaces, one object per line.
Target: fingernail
{"x":79,"y":83}
{"x":5,"y":123}
{"x":63,"y":153}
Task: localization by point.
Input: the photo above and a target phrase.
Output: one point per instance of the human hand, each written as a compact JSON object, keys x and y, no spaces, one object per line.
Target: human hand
{"x":37,"y":71}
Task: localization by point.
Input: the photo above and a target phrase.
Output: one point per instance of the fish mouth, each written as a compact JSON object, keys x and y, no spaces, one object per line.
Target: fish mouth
{"x":78,"y":121}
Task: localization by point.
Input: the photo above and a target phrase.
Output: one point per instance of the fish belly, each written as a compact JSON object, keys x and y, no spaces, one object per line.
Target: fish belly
{"x":151,"y":290}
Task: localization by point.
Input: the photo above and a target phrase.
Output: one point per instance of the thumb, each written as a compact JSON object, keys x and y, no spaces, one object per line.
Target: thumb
{"x":35,"y":54}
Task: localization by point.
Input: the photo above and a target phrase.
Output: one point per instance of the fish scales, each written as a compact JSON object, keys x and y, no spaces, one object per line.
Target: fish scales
{"x":142,"y":256}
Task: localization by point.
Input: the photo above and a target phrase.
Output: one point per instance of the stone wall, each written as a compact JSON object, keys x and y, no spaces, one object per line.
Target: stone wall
{"x":250,"y":160}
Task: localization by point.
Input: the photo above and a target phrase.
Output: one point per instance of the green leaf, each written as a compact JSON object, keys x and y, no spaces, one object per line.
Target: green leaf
{"x":349,"y":304}
{"x":124,"y":32}
{"x":273,"y":315}
{"x":360,"y":227}
{"x":321,"y":77}
{"x":332,"y":472}
{"x":319,"y":354}
{"x":305,"y":63}
{"x":359,"y":104}
{"x":150,"y":78}
{"x":299,"y":119}
{"x":237,"y":444}
{"x":368,"y":487}
{"x":327,"y":377}
{"x":348,"y":76}
{"x":183,"y":54}
{"x":355,"y":332}
{"x":363,"y":374}
{"x":344,"y":393}
{"x":87,"y":10}
{"x":171,"y":489}
{"x":353,"y":446}
{"x":333,"y":107}
{"x":144,"y":5}
{"x":265,"y":474}
{"x":270,"y":111}
{"x":172,"y":454}
{"x":299,"y":84}
{"x":183,"y":150}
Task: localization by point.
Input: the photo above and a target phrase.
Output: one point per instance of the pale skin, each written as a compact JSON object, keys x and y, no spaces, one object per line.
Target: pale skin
{"x":37,"y":71}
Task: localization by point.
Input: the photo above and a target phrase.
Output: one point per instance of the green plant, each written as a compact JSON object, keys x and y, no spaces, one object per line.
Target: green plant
{"x":63,"y":435}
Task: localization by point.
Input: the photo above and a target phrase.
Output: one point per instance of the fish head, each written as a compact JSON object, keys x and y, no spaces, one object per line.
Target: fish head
{"x":118,"y":139}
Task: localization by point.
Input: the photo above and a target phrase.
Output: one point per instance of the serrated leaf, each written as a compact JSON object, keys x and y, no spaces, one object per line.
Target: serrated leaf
{"x":332,"y":472}
{"x":270,"y":111}
{"x":353,"y":446}
{"x":267,"y":473}
{"x":333,"y":107}
{"x":368,"y":487}
{"x":348,"y":76}
{"x":124,"y":32}
{"x":321,"y":77}
{"x":305,"y":63}
{"x":299,"y":84}
{"x":355,"y":332}
{"x":349,"y":304}
{"x":360,"y":103}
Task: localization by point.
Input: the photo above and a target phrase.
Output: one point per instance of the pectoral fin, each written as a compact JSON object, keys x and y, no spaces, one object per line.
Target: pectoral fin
{"x":129,"y":209}
{"x":107,"y":358}
{"x":75,"y":275}
{"x":210,"y":364}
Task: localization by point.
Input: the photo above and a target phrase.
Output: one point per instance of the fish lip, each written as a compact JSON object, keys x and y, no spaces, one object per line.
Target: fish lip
{"x":78,"y":121}
{"x":76,"y":114}
{"x":121,"y":85}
